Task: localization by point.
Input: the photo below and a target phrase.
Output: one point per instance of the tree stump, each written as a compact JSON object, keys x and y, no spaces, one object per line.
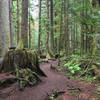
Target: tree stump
{"x":21,"y":58}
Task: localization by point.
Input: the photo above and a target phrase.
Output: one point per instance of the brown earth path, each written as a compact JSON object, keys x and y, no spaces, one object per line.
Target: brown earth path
{"x":54,"y":80}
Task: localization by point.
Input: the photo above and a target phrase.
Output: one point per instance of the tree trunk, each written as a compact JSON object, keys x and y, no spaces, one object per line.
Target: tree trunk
{"x":51,"y":28}
{"x":61,"y":26}
{"x":39,"y":36}
{"x":29,"y":28}
{"x":66,"y":27}
{"x":48,"y":30}
{"x":24,"y":27}
{"x":18,"y":22}
{"x":4,"y":26}
{"x":11,"y":24}
{"x":82,"y":31}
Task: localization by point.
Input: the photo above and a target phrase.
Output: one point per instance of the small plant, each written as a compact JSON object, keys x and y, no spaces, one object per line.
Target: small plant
{"x":72,"y":67}
{"x":59,"y":68}
{"x":54,"y":94}
{"x":98,"y":92}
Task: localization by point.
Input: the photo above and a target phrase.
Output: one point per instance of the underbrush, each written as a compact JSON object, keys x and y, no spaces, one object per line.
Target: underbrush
{"x":82,"y":67}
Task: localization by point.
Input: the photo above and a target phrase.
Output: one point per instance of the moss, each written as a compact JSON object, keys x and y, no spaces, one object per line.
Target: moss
{"x":27,"y":78}
{"x":20,"y":45}
{"x":23,"y":58}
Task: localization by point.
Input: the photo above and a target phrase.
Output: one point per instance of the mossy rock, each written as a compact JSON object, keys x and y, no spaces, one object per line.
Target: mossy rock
{"x":22,"y":58}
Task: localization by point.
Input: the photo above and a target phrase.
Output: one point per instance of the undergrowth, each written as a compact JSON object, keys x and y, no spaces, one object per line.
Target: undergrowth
{"x":81,"y":67}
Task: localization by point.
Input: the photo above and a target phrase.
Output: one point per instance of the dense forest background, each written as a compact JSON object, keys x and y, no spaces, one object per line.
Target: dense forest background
{"x":69,"y":26}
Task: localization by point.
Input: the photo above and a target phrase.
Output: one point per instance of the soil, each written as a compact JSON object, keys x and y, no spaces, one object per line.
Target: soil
{"x":54,"y":80}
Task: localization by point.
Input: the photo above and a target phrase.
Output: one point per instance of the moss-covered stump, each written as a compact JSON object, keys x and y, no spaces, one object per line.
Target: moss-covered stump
{"x":21,"y":58}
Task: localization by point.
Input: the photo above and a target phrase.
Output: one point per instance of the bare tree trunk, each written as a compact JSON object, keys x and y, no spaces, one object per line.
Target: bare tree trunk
{"x":18,"y":22}
{"x":24,"y":27}
{"x":82,"y":32}
{"x":29,"y":28}
{"x":4,"y":26}
{"x":61,"y":26}
{"x":39,"y":36}
{"x":47,"y":41}
{"x":66,"y":27}
{"x":51,"y":28}
{"x":11,"y":24}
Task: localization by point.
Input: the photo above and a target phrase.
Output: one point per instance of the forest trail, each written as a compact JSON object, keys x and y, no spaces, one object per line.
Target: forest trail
{"x":54,"y":80}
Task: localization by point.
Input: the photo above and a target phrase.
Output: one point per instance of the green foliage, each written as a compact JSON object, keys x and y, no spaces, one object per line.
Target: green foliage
{"x":81,"y":67}
{"x":98,"y":91}
{"x":59,"y":68}
{"x":73,"y":68}
{"x":78,"y":13}
{"x":54,"y":94}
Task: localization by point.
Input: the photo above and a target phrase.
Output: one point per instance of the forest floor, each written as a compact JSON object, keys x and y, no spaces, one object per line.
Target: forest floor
{"x":73,"y":88}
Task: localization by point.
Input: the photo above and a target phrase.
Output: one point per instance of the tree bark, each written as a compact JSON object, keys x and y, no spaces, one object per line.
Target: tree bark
{"x":48,"y":30}
{"x":18,"y":22}
{"x":39,"y":36}
{"x":29,"y":28}
{"x":24,"y":27}
{"x":4,"y":26}
{"x":51,"y":27}
{"x":66,"y":27}
{"x":11,"y":24}
{"x":61,"y":25}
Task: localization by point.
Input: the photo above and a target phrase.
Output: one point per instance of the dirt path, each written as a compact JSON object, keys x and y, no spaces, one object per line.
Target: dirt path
{"x":54,"y":80}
